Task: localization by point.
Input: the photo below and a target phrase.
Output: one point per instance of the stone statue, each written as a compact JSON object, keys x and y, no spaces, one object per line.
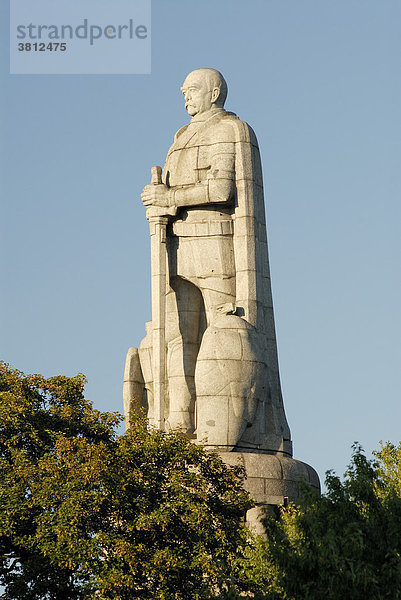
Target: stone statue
{"x":208,"y":364}
{"x":220,"y":371}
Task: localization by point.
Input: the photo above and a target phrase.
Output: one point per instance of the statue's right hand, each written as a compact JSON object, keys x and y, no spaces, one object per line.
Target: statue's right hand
{"x":155,"y":195}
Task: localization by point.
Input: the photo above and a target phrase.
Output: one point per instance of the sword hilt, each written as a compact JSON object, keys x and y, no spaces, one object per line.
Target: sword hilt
{"x":156,"y":175}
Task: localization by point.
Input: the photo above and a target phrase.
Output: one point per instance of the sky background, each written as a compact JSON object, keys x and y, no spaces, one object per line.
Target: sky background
{"x":319,"y":82}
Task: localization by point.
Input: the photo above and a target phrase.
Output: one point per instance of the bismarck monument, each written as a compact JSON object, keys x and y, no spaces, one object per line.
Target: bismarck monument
{"x":208,"y":364}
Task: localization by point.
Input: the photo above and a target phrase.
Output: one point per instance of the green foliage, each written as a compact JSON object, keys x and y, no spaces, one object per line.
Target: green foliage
{"x":85,"y":514}
{"x":53,"y":447}
{"x":389,"y":469}
{"x":178,"y":519}
{"x":345,"y":544}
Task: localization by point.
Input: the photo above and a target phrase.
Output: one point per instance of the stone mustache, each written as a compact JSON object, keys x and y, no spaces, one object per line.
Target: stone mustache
{"x":208,"y":364}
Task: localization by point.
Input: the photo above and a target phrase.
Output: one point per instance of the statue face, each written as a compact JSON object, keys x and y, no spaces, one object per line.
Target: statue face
{"x":198,"y":96}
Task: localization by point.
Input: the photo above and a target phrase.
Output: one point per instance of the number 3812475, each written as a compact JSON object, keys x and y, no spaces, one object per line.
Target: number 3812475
{"x":42,"y":47}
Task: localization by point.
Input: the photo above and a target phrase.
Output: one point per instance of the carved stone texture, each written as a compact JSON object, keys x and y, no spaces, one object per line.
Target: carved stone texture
{"x":271,"y":480}
{"x":208,"y":364}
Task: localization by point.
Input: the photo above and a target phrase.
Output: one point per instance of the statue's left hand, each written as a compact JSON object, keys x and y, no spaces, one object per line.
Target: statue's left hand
{"x":155,"y":195}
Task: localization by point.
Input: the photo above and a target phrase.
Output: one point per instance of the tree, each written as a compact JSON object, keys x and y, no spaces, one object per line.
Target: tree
{"x":178,"y":520}
{"x":344,"y":544}
{"x":53,"y":448}
{"x":389,"y":468}
{"x":87,"y":514}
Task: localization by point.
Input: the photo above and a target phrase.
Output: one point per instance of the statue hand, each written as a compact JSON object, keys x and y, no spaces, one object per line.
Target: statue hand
{"x":156,"y":195}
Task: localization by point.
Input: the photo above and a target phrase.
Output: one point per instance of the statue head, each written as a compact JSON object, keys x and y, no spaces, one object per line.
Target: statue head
{"x":204,"y":89}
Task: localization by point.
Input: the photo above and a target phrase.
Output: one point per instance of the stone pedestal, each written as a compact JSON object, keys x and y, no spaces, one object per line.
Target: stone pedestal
{"x":272,"y":480}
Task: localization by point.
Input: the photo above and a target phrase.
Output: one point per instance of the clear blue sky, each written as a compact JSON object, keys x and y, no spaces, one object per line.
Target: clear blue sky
{"x":319,"y":82}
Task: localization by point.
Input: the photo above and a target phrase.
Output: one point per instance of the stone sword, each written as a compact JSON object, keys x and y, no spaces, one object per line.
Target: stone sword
{"x":158,"y":251}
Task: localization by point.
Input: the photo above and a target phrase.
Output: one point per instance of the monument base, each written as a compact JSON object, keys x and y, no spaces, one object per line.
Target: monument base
{"x":271,"y":480}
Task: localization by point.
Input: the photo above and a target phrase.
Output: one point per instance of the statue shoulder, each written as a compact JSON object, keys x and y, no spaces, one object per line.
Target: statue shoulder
{"x":180,"y":131}
{"x":224,"y":129}
{"x":240,"y":130}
